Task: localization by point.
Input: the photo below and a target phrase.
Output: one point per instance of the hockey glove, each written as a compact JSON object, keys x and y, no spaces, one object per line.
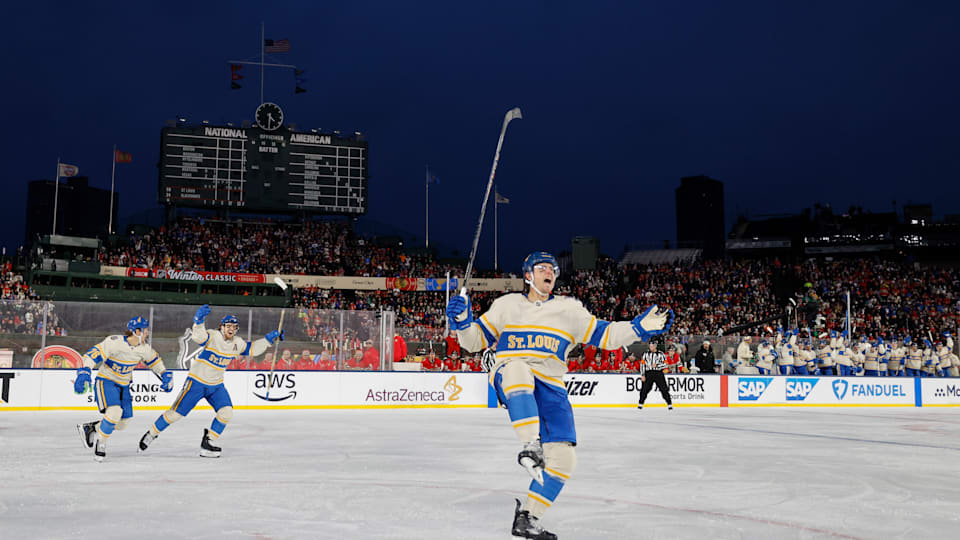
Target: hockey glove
{"x":81,"y":385}
{"x":652,"y":322}
{"x":201,"y":314}
{"x":271,"y":337}
{"x":166,"y":381}
{"x":458,"y":306}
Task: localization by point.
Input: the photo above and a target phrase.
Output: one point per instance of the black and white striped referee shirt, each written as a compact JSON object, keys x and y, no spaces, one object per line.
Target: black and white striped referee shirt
{"x":653,"y":360}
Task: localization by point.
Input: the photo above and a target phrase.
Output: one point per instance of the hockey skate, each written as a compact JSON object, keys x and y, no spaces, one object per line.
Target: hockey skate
{"x":99,"y":449}
{"x":87,"y":432}
{"x":207,"y":449}
{"x":145,"y":441}
{"x":526,"y":526}
{"x":531,"y":459}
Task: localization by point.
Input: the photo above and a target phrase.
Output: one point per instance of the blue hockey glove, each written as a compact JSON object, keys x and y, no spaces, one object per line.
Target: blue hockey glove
{"x":271,"y":337}
{"x":166,"y":381}
{"x":81,"y":385}
{"x":844,"y":334}
{"x":457,"y":306}
{"x":652,"y":322}
{"x":201,"y":314}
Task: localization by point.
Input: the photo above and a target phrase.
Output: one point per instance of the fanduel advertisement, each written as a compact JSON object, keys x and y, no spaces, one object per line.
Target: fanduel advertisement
{"x":623,"y":390}
{"x":879,"y":391}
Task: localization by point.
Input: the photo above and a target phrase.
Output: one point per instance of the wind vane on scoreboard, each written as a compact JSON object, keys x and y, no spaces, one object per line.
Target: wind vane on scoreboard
{"x":266,"y":46}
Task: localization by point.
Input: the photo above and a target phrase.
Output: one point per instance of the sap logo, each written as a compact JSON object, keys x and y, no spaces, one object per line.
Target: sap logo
{"x":577,"y":387}
{"x":840,"y":388}
{"x":5,"y":379}
{"x":286,"y":381}
{"x":751,"y":388}
{"x":799,"y":389}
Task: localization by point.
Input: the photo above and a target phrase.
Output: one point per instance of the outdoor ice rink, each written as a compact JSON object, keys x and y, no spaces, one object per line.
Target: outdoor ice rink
{"x":694,"y":473}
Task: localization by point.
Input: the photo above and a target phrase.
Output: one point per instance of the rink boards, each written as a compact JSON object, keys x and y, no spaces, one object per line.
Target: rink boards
{"x":52,"y":389}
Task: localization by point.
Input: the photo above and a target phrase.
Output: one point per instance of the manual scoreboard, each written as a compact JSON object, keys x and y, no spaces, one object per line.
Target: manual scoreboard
{"x":262,"y":170}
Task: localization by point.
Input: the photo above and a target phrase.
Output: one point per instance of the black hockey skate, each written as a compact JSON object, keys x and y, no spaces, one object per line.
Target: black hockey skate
{"x":145,"y":441}
{"x":87,"y":432}
{"x":99,"y":448}
{"x":207,"y":449}
{"x":526,"y":526}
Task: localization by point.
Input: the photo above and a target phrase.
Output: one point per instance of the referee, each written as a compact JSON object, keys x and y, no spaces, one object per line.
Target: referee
{"x":651,"y":371}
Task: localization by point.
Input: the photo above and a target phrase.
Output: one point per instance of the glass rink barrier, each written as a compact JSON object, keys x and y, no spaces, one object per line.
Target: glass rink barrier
{"x":50,"y":334}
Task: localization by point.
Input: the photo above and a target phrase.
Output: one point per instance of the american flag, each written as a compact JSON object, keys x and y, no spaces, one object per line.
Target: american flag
{"x":276,"y":45}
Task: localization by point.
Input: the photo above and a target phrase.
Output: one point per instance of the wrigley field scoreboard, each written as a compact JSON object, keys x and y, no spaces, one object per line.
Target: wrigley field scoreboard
{"x":260,"y":170}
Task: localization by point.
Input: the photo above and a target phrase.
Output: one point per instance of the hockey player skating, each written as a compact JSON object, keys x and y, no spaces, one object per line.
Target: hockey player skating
{"x":534,"y":332}
{"x":117,"y":356}
{"x":205,"y":380}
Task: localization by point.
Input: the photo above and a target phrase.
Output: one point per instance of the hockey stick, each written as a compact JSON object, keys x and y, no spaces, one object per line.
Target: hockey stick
{"x":276,"y":345}
{"x":511,"y":114}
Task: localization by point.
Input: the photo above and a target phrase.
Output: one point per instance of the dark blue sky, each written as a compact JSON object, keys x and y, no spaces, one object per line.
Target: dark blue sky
{"x":786,"y":103}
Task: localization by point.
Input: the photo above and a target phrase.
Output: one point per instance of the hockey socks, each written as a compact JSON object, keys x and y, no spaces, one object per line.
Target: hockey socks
{"x":560,"y":460}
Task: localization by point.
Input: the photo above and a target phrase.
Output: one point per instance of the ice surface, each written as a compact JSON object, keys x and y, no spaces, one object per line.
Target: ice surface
{"x":423,"y":474}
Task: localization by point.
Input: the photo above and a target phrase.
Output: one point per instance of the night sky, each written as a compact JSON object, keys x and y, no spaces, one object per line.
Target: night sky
{"x":787,"y":103}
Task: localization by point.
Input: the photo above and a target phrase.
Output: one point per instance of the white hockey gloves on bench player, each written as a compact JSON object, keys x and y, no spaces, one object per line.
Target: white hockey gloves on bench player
{"x":652,"y":322}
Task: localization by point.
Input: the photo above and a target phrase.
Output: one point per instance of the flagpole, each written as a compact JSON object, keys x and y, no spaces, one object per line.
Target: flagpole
{"x":56,"y":197}
{"x":427,"y":221}
{"x":263,"y":48}
{"x":113,"y":173}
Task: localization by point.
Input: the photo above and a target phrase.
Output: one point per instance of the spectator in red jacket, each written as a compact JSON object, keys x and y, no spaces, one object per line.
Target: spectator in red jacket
{"x":355,"y":361}
{"x":452,"y":343}
{"x":399,"y":348}
{"x":625,"y":365}
{"x":305,"y":362}
{"x":574,"y":363}
{"x":613,"y":356}
{"x":673,"y":360}
{"x":605,"y":366}
{"x":239,"y":362}
{"x":453,"y":363}
{"x":325,"y":362}
{"x":473,"y":364}
{"x":430,"y":362}
{"x":371,"y":357}
{"x":589,"y":354}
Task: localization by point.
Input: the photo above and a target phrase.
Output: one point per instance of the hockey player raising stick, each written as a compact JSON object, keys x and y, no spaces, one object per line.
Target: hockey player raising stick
{"x":205,"y":380}
{"x":534,"y":332}
{"x":117,"y":356}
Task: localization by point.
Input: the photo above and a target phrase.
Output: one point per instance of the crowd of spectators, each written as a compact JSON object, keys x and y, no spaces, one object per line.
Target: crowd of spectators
{"x":328,"y":248}
{"x":889,"y":297}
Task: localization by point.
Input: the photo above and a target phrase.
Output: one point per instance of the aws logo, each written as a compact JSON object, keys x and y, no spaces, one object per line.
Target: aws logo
{"x":840,"y":387}
{"x":798,"y":389}
{"x":281,"y":386}
{"x":452,"y":388}
{"x":751,"y":388}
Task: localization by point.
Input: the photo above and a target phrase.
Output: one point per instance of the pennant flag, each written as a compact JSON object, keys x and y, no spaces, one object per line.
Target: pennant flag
{"x":298,"y":90}
{"x":276,"y":45}
{"x":235,"y":76}
{"x":431,"y":179}
{"x":235,"y":86}
{"x":68,"y":170}
{"x":297,"y":72}
{"x":235,"y":68}
{"x":502,"y":200}
{"x":122,"y":157}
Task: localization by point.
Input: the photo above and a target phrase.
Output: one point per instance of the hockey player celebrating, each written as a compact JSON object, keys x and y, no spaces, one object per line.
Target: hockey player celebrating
{"x":534,"y":333}
{"x":205,"y":380}
{"x":117,"y":356}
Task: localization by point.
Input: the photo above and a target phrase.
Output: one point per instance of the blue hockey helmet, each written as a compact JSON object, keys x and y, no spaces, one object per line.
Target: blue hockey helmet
{"x":538,"y":257}
{"x":137,"y":323}
{"x":230,"y":319}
